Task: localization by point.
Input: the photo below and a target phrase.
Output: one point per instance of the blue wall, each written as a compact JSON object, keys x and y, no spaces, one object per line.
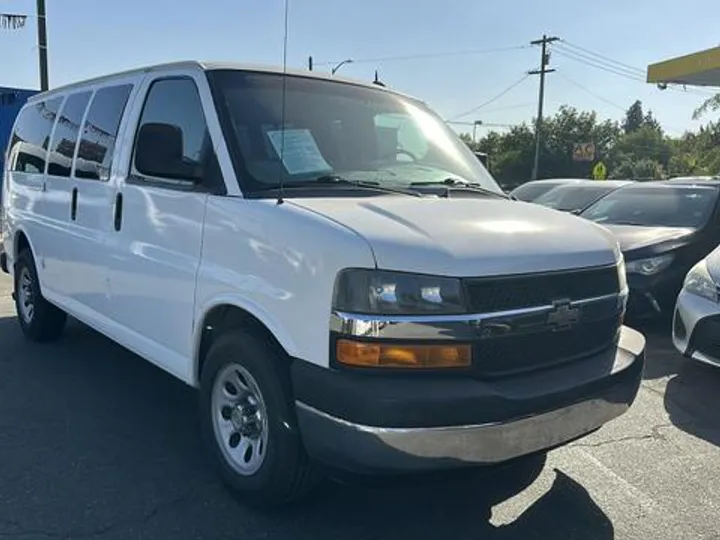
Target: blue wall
{"x":11,"y":101}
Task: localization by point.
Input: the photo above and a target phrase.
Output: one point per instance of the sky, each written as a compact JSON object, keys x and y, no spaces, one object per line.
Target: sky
{"x":454,"y":54}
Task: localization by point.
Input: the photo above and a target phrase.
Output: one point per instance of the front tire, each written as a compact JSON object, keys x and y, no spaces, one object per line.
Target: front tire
{"x":248,"y":421}
{"x":39,"y":320}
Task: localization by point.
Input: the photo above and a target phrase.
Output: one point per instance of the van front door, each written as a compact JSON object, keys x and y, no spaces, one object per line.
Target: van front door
{"x":158,"y":225}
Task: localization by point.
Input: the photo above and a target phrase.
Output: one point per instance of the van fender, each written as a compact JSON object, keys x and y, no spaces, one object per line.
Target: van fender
{"x":238,"y":301}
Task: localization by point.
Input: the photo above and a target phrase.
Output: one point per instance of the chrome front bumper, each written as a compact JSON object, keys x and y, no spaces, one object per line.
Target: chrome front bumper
{"x":446,"y":447}
{"x":599,"y":394}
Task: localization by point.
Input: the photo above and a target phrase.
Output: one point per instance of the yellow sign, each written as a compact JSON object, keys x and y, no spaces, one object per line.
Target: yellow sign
{"x":599,"y":171}
{"x":584,"y":152}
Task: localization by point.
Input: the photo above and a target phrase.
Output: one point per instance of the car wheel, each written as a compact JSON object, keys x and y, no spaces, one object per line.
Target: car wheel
{"x":248,"y":421}
{"x":39,"y":319}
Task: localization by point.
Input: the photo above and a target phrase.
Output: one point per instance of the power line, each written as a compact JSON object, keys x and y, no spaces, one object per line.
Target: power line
{"x":493,"y":99}
{"x":508,"y":107}
{"x":571,"y":56}
{"x":637,"y":76}
{"x":600,"y":56}
{"x":637,"y":73}
{"x":480,"y":124}
{"x":420,"y":56}
{"x":586,"y":89}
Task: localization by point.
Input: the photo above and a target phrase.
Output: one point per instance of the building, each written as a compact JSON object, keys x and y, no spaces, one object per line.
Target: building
{"x":11,"y":101}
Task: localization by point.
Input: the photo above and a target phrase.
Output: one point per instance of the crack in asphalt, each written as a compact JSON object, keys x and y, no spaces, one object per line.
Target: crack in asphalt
{"x":21,"y":530}
{"x":653,"y":435}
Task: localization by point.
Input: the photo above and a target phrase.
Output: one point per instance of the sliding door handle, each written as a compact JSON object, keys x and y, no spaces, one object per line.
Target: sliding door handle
{"x":73,"y":204}
{"x":118,"y":211}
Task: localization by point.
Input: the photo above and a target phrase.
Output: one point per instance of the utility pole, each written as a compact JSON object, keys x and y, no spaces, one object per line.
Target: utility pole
{"x":544,"y":61}
{"x":42,"y":45}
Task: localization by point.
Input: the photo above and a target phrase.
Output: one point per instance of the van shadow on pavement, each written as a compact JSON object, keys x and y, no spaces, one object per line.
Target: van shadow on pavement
{"x":692,"y":399}
{"x":661,"y":357}
{"x":692,"y":394}
{"x":97,"y":442}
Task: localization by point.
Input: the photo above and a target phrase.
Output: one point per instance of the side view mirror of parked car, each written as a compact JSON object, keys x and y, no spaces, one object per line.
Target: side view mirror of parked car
{"x":159,"y":153}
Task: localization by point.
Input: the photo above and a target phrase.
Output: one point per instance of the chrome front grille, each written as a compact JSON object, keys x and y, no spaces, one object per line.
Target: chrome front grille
{"x":581,"y":318}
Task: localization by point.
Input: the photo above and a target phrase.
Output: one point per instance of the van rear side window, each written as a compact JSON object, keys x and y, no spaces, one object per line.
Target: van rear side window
{"x":29,"y":144}
{"x":66,"y":134}
{"x":100,"y":132}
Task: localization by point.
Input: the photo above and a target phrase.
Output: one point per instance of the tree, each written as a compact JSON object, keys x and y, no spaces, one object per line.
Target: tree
{"x":648,"y":169}
{"x":710,"y":104}
{"x":650,"y":121}
{"x":644,"y":169}
{"x":634,"y":117}
{"x":634,"y":148}
{"x":643,"y":143}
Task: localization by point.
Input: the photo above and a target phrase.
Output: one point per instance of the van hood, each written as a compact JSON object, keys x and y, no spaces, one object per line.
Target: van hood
{"x":468,"y":237}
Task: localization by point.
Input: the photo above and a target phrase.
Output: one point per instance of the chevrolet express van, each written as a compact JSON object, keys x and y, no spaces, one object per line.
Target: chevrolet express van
{"x":326,"y":261}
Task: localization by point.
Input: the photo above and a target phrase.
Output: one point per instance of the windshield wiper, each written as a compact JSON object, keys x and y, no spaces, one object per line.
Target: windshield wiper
{"x":455,"y":184}
{"x":335,"y":179}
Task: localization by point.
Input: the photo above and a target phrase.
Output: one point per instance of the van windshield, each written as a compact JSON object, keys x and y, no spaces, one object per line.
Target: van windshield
{"x":350,"y":131}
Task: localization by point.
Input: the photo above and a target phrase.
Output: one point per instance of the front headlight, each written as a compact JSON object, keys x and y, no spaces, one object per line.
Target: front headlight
{"x":699,"y":282}
{"x":396,"y":293}
{"x":649,"y":266}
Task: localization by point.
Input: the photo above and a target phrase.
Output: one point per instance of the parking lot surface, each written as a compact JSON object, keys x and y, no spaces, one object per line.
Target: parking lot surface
{"x":97,"y":443}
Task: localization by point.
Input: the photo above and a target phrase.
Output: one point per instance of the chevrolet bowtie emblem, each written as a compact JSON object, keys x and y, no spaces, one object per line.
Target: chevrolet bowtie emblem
{"x":563,"y":314}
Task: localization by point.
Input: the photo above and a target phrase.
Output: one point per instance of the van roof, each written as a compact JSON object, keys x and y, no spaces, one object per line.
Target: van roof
{"x":209,"y":66}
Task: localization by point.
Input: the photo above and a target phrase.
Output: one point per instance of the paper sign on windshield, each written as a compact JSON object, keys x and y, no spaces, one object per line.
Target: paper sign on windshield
{"x":300,"y":153}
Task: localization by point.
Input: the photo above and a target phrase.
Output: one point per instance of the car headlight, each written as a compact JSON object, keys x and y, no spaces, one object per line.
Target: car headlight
{"x":649,"y":266}
{"x":699,"y":282}
{"x":396,"y":293}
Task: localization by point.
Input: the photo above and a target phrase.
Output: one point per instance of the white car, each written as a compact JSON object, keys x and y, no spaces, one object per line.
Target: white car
{"x":696,"y":322}
{"x":326,"y":261}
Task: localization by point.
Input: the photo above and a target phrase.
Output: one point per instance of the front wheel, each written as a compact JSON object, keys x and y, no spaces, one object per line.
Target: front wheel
{"x":39,"y":319}
{"x":249,"y":423}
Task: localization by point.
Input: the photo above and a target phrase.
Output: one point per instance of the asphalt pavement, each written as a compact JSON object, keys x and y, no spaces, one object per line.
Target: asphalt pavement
{"x":97,"y":443}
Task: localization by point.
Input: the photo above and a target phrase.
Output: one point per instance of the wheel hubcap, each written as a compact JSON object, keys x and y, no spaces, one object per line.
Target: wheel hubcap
{"x":239,"y":419}
{"x":26,"y":296}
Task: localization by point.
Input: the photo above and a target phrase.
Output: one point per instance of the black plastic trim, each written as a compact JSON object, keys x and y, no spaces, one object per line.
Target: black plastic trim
{"x":437,"y":399}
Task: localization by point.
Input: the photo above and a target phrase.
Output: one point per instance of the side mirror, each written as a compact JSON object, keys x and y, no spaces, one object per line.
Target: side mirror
{"x":159,"y":152}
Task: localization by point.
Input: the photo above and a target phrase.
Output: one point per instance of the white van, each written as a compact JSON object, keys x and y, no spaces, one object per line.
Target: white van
{"x":326,"y":261}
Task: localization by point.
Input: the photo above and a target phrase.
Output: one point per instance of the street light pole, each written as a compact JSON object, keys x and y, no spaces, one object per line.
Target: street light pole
{"x":341,"y":64}
{"x":476,"y":123}
{"x":42,"y":45}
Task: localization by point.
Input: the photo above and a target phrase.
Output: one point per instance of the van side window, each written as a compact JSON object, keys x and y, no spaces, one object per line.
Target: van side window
{"x":32,"y":132}
{"x":100,"y":132}
{"x":62,"y":148}
{"x":173,"y":114}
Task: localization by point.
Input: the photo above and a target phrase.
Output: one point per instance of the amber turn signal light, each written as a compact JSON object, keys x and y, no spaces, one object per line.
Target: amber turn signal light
{"x":365,"y":354}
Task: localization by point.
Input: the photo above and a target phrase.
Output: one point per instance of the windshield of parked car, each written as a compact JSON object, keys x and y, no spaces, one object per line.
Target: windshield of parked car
{"x":656,"y":206}
{"x":573,"y":197}
{"x":335,"y":129}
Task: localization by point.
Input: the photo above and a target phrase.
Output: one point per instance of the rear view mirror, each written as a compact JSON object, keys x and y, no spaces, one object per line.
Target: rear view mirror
{"x":159,"y":152}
